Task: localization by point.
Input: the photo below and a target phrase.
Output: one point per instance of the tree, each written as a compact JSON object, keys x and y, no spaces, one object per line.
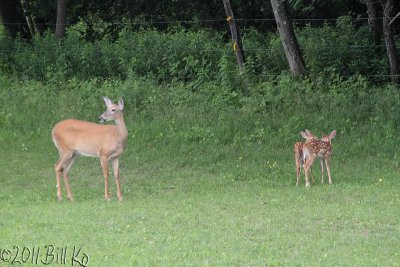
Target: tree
{"x":388,"y":11}
{"x":374,"y":21}
{"x":12,"y":18}
{"x":237,"y":41}
{"x":61,"y":19}
{"x":29,"y":18}
{"x":288,"y":38}
{"x":235,"y":34}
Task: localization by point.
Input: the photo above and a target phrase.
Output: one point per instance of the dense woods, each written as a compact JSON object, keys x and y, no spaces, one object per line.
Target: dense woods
{"x":103,"y":26}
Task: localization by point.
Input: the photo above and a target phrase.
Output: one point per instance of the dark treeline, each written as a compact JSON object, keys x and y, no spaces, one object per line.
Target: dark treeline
{"x":362,"y":44}
{"x":108,"y":17}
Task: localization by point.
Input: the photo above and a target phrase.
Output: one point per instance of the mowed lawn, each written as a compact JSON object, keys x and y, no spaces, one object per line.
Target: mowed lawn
{"x":192,"y":206}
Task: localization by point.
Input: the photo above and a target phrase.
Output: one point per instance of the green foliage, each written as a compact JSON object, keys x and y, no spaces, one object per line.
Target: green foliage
{"x":179,"y":55}
{"x":264,"y":55}
{"x":214,"y":114}
{"x":342,"y":49}
{"x":105,"y":18}
{"x":193,"y":57}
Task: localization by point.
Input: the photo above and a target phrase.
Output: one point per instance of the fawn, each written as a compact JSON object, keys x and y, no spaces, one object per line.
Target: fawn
{"x":300,"y":161}
{"x":314,"y":147}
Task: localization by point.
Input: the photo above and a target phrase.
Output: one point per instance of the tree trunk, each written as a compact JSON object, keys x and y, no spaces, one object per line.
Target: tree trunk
{"x":237,"y":43}
{"x":28,"y":18}
{"x":130,"y":10}
{"x":390,"y":42}
{"x":288,"y":38}
{"x":235,"y":34}
{"x":13,"y":21}
{"x":61,"y":19}
{"x":374,"y":22}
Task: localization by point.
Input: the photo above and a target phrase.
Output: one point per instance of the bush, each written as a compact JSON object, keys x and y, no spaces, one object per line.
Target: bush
{"x":213,"y":114}
{"x":341,"y":49}
{"x":193,"y":57}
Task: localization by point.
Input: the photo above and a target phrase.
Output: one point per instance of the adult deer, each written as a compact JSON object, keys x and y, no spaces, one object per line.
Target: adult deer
{"x":315,"y":147}
{"x":107,"y":142}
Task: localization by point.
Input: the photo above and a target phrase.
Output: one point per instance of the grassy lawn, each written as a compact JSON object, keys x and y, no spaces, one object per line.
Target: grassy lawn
{"x":200,"y":205}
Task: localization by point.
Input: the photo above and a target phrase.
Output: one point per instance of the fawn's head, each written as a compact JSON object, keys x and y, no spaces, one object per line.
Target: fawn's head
{"x":308,"y":135}
{"x":328,"y":138}
{"x":113,"y":112}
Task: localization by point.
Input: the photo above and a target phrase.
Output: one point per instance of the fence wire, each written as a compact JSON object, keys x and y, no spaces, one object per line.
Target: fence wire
{"x":222,"y":49}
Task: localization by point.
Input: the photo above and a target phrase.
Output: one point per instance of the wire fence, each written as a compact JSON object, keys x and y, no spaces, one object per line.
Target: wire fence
{"x":196,"y":21}
{"x":224,"y":48}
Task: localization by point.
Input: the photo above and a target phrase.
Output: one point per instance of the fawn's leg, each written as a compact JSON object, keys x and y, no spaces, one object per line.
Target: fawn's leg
{"x":312,"y":175}
{"x":322,"y":171}
{"x":298,"y":170}
{"x":307,"y":167}
{"x":328,"y":169}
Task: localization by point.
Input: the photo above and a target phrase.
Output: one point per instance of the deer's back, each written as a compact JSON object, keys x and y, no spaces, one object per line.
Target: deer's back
{"x":84,"y":137}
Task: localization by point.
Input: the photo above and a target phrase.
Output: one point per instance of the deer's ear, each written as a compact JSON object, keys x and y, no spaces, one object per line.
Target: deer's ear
{"x":107,"y":101}
{"x":121,"y":103}
{"x":304,"y":135}
{"x":332,"y":134}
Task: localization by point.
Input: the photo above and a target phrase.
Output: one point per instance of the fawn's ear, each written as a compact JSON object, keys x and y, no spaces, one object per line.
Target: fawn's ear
{"x":304,"y":135}
{"x":310,"y":134}
{"x":332,"y":134}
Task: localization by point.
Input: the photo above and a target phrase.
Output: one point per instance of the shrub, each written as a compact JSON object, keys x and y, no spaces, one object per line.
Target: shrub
{"x":193,"y":57}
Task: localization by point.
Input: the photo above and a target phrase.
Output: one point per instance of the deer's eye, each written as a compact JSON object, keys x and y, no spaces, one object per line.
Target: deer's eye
{"x":113,"y":109}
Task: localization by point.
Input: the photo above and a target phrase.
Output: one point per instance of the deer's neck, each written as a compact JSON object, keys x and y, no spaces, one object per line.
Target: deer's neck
{"x":121,"y":128}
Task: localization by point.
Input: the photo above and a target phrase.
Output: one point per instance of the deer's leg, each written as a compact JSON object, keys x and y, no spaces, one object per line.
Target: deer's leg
{"x":116,"y":175}
{"x":307,"y":167}
{"x":322,"y":170}
{"x":328,"y":169}
{"x":58,"y":167}
{"x":67,"y":165}
{"x":104,"y":167}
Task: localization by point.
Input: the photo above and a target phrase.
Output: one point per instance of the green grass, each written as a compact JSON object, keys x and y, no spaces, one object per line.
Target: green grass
{"x":202,"y":205}
{"x":204,"y":183}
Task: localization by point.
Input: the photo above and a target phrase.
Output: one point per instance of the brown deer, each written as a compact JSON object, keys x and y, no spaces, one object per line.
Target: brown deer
{"x":107,"y":142}
{"x":315,"y":147}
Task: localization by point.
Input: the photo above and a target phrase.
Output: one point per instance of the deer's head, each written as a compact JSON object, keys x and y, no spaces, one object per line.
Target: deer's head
{"x":113,"y":112}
